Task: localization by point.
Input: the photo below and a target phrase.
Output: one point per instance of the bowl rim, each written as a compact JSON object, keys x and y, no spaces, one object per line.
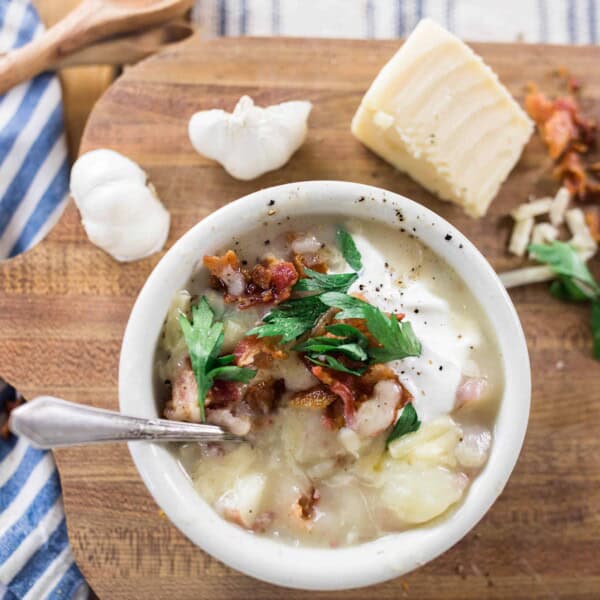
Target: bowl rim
{"x":306,"y":567}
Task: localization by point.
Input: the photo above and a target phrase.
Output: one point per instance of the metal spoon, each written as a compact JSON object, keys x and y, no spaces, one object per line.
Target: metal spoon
{"x":48,"y":422}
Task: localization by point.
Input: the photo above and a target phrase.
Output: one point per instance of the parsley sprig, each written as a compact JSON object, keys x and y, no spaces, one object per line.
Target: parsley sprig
{"x":574,"y":282}
{"x":322,"y":282}
{"x":396,"y":338}
{"x":204,"y":339}
{"x":349,"y":250}
{"x":295,"y":317}
{"x":349,"y":342}
{"x":407,"y":423}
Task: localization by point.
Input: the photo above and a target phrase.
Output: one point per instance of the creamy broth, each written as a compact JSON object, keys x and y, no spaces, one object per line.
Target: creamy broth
{"x":302,"y":480}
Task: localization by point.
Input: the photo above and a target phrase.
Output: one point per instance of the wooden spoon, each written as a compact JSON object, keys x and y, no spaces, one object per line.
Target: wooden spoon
{"x":90,"y":22}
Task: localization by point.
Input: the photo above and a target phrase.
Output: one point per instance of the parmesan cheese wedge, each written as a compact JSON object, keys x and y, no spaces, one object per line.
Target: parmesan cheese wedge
{"x":437,"y":112}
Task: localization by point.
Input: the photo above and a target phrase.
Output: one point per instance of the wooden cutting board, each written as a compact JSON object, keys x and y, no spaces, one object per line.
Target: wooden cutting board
{"x":64,"y":306}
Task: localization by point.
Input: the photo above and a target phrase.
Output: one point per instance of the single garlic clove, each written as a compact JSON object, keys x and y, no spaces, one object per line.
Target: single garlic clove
{"x":102,"y":166}
{"x":120,"y":213}
{"x":126,"y":220}
{"x":251,"y":140}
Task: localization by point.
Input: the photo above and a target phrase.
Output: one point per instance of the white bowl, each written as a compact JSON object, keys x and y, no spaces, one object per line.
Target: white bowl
{"x":267,"y":559}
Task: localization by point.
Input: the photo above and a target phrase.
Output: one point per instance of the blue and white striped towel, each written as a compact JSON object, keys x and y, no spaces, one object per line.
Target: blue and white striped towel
{"x":551,"y":21}
{"x":35,"y":560}
{"x":35,"y":556}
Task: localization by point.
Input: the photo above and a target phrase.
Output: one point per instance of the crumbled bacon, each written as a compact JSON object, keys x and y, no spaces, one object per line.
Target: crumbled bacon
{"x":269,"y":281}
{"x":592,"y":219}
{"x":306,"y":504}
{"x":353,"y":390}
{"x":570,"y":171}
{"x":318,"y":397}
{"x":568,"y":134}
{"x":311,"y":261}
{"x":224,"y":393}
{"x":340,"y":386}
{"x":262,"y":397}
{"x":258,"y":353}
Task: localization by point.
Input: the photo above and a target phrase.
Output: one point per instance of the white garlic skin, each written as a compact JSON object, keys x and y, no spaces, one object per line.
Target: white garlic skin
{"x":120,"y":211}
{"x":252,"y":140}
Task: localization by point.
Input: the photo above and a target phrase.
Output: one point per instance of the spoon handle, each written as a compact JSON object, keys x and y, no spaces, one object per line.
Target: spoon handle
{"x":49,"y":422}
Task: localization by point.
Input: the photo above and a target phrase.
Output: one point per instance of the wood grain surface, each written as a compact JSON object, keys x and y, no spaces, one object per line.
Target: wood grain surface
{"x":64,"y":306}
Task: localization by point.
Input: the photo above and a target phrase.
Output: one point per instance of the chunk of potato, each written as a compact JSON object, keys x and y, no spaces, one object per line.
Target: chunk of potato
{"x":434,"y":443}
{"x":419,"y":493}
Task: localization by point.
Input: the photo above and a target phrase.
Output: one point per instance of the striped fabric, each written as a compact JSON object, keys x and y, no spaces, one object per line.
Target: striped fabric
{"x":551,"y":21}
{"x":35,"y":556}
{"x":33,"y":151}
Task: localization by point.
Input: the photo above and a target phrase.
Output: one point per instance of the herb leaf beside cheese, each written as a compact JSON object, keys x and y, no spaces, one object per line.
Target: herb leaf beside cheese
{"x":575,"y":281}
{"x":564,"y":261}
{"x":204,"y":339}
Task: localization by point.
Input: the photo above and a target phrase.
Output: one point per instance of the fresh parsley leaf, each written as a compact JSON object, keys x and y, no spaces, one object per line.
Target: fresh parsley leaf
{"x":564,"y":260}
{"x":407,"y":423}
{"x":596,"y":328}
{"x":314,"y":347}
{"x":349,"y":250}
{"x":204,"y":339}
{"x":333,"y":363}
{"x":574,"y":282}
{"x":233,"y":373}
{"x":291,"y":319}
{"x":321,"y":282}
{"x":564,"y":288}
{"x":349,"y":332}
{"x":397,"y":338}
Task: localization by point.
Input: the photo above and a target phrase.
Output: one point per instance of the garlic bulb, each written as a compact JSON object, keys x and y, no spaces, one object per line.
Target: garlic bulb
{"x":251,"y":140}
{"x":120,"y":211}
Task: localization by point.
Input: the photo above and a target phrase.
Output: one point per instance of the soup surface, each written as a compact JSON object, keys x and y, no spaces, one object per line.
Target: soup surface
{"x":358,"y":366}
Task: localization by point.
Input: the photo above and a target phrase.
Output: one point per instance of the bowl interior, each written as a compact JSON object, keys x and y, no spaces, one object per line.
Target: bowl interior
{"x":264,"y":558}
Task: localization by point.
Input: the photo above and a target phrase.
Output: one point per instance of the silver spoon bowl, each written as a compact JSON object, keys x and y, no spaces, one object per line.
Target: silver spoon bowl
{"x":48,"y":422}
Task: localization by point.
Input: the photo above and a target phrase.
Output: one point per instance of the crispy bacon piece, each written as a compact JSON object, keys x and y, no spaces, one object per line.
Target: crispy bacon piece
{"x":567,"y":133}
{"x":318,"y":397}
{"x":592,"y":219}
{"x":311,"y":261}
{"x":340,"y":385}
{"x":570,"y":171}
{"x":224,"y":393}
{"x":255,"y":352}
{"x":262,"y":397}
{"x":305,"y":506}
{"x":353,"y":391}
{"x":269,"y":281}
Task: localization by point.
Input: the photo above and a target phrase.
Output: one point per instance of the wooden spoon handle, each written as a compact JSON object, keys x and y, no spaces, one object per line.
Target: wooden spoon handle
{"x":40,"y":54}
{"x":128,"y":49}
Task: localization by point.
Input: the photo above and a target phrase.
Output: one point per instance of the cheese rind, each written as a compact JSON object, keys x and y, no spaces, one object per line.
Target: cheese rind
{"x":437,"y":112}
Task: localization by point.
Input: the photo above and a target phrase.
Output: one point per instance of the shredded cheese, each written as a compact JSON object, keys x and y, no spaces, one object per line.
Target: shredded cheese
{"x":520,"y":236}
{"x":559,"y":206}
{"x":528,"y":210}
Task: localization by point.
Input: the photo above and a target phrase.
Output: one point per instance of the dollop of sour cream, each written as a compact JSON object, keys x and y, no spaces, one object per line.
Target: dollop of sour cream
{"x":447,"y":339}
{"x":119,"y":208}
